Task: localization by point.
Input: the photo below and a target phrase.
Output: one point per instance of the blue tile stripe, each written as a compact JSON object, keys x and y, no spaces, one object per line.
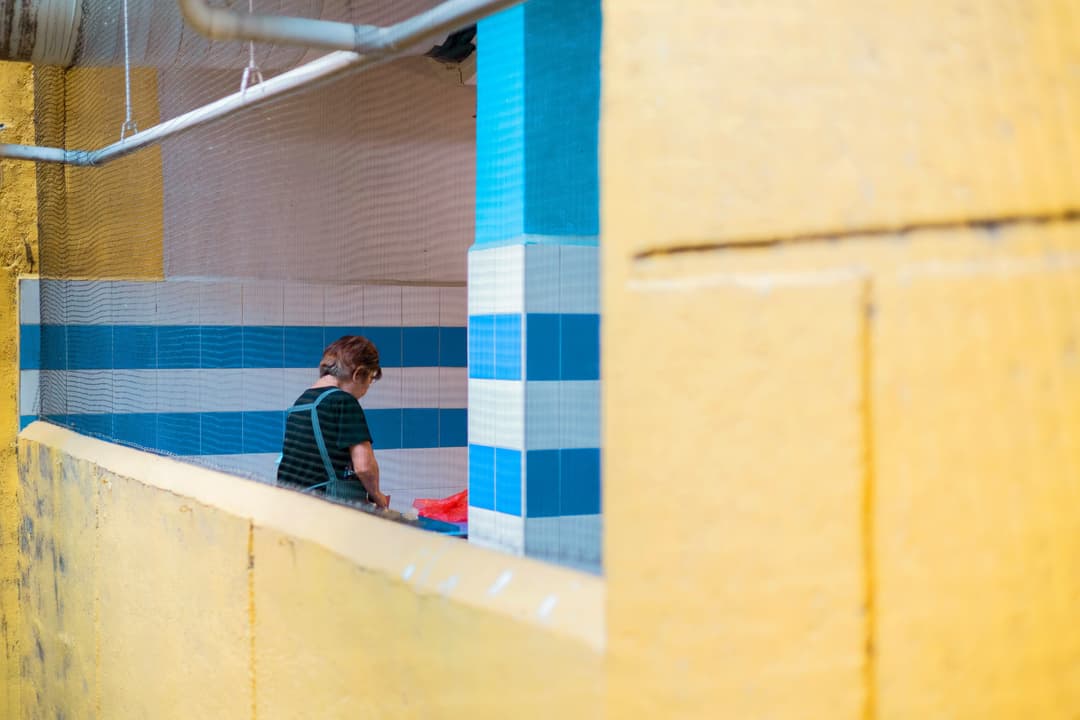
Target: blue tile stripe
{"x":229,"y":433}
{"x":184,"y":347}
{"x":557,"y":482}
{"x":558,"y":346}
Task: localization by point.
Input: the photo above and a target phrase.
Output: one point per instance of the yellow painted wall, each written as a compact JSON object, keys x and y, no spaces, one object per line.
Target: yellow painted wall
{"x":840,"y":456}
{"x":114,"y":213}
{"x":18,"y":254}
{"x":152,"y":588}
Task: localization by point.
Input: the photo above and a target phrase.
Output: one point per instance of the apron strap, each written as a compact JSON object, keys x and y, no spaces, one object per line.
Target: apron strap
{"x":319,"y":440}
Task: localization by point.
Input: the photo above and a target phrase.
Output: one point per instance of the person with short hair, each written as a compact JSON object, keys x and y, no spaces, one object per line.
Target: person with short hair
{"x":327,"y":447}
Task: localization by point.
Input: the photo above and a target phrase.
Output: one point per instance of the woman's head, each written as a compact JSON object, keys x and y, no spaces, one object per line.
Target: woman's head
{"x":353,"y":361}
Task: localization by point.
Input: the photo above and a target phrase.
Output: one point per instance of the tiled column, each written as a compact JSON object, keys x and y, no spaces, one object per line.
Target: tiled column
{"x":534,"y":365}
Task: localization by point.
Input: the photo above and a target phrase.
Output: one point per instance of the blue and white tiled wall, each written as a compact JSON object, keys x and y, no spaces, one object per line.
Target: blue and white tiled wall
{"x":534,"y":322}
{"x":203,"y":369}
{"x":534,"y":389}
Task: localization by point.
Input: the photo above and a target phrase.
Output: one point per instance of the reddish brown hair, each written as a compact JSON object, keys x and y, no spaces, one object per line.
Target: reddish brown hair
{"x":343,"y":357}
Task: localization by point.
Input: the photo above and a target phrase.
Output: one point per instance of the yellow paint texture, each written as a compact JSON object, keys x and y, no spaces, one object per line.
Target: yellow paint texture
{"x":114,"y":213}
{"x":746,"y":120}
{"x":159,"y":589}
{"x":840,"y":474}
{"x":18,"y":253}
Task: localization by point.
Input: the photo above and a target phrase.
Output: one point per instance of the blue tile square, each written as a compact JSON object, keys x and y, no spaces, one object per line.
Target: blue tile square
{"x":137,"y":429}
{"x":54,"y":347}
{"x":453,"y":427}
{"x":264,"y":431}
{"x":222,"y":347}
{"x":90,"y":347}
{"x":542,"y":483}
{"x":420,"y":428}
{"x":453,"y":347}
{"x":508,"y":481}
{"x":579,"y":481}
{"x":481,"y":359}
{"x":264,"y":346}
{"x":25,"y":420}
{"x":178,"y":347}
{"x":542,"y":346}
{"x":420,"y":346}
{"x":29,"y":347}
{"x":135,"y":347}
{"x":507,"y":347}
{"x":580,"y":347}
{"x":482,"y":477}
{"x":223,"y":433}
{"x":385,"y":427}
{"x":179,"y":433}
{"x":97,"y":425}
{"x":303,"y":347}
{"x":388,"y":342}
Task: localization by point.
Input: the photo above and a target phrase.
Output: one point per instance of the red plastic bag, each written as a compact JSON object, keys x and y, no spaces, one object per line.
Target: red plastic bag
{"x":453,"y":509}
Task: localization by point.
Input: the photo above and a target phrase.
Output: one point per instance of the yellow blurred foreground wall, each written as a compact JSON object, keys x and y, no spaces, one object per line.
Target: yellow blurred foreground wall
{"x":841,"y":363}
{"x":153,"y":588}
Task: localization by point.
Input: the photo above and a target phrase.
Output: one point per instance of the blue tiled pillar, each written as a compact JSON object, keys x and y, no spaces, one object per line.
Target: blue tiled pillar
{"x":534,"y":355}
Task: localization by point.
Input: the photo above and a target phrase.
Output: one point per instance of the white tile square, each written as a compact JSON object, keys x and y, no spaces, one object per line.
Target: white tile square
{"x":178,"y":302}
{"x":579,"y":290}
{"x":220,"y":303}
{"x":29,"y":301}
{"x":54,"y":392}
{"x":263,"y":389}
{"x":263,"y":304}
{"x":134,"y":303}
{"x":344,"y":305}
{"x":419,"y":306}
{"x":29,"y":392}
{"x":53,"y":301}
{"x":496,"y":413}
{"x":179,"y":390}
{"x":543,"y":416}
{"x":542,"y":280}
{"x":579,"y":414}
{"x":509,"y":279}
{"x":135,"y":391}
{"x":386,"y":393}
{"x":303,"y":305}
{"x":221,"y":390}
{"x":580,"y":540}
{"x":510,"y":533}
{"x":382,"y":305}
{"x":95,"y":391}
{"x":420,"y":387}
{"x":453,"y":306}
{"x":482,"y":529}
{"x":481,"y":284}
{"x":542,"y":537}
{"x":294,"y":381}
{"x":453,"y":387}
{"x":88,"y":302}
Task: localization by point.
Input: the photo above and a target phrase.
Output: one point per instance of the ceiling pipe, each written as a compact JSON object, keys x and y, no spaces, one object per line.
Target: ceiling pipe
{"x":402,"y":37}
{"x":436,"y":23}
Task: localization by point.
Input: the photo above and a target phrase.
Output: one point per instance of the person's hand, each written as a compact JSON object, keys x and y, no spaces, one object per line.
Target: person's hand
{"x":381,"y":501}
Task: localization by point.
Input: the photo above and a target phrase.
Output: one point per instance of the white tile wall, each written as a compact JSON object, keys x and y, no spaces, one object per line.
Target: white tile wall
{"x":263,"y":303}
{"x":579,"y":270}
{"x":178,"y":303}
{"x":420,"y":306}
{"x":29,"y":392}
{"x":303,"y":304}
{"x":496,"y":413}
{"x":382,"y":305}
{"x":453,"y":306}
{"x":344,"y":305}
{"x":543,"y":416}
{"x":542,"y":279}
{"x":29,"y":301}
{"x":220,"y":303}
{"x":134,"y":303}
{"x":579,"y":413}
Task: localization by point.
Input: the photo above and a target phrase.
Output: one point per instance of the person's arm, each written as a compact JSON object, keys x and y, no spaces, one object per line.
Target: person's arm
{"x":366,"y":468}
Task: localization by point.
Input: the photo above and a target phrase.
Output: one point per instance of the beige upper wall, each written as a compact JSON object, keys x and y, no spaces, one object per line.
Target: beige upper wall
{"x":370,"y":178}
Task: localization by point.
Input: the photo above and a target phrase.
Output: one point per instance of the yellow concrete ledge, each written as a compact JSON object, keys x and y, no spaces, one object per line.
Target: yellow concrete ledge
{"x":560,"y":600}
{"x":151,"y":587}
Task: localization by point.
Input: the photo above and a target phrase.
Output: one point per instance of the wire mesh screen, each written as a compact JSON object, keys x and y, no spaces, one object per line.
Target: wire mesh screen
{"x":187,"y":291}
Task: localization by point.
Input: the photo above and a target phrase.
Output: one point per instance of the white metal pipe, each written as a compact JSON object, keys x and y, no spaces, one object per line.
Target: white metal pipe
{"x":404,"y":35}
{"x":444,"y":18}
